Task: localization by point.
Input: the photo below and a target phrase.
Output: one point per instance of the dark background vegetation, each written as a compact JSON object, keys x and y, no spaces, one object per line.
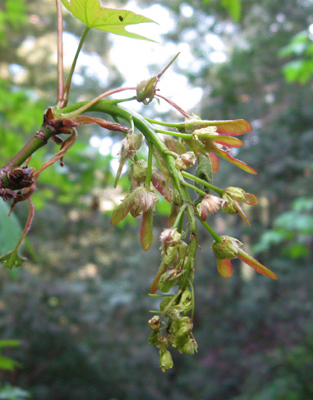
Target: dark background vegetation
{"x":79,"y":306}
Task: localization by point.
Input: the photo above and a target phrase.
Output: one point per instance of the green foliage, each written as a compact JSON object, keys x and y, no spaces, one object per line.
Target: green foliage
{"x":11,"y":17}
{"x":93,"y":15}
{"x":8,"y":392}
{"x":232,"y":6}
{"x":301,"y":69}
{"x":293,"y":228}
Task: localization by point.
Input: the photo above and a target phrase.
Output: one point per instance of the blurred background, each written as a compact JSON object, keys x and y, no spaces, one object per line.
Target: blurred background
{"x":79,"y":306}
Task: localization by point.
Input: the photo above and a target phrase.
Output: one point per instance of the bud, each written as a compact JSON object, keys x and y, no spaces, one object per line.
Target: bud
{"x":145,"y":200}
{"x":154,"y":323}
{"x":139,"y":201}
{"x":138,"y":171}
{"x":227,"y":248}
{"x":130,"y":144}
{"x":166,"y":361}
{"x":185,"y":328}
{"x":235,"y":193}
{"x":169,"y":279}
{"x":186,"y":301}
{"x":169,"y":237}
{"x":209,"y":204}
{"x":146,"y":88}
{"x":234,"y":197}
{"x":190,"y":347}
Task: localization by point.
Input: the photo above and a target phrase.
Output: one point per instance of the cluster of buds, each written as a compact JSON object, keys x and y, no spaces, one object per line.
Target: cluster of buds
{"x":175,"y":308}
{"x":177,"y":327}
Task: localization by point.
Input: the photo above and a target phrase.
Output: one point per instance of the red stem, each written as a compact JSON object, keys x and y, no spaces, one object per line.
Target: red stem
{"x":60,"y":93}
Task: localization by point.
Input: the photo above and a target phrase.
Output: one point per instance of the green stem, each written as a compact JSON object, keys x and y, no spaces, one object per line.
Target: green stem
{"x":204,"y":183}
{"x":69,"y":79}
{"x":179,"y":216}
{"x":170,"y":304}
{"x":201,"y":192}
{"x":192,"y":300}
{"x":181,"y":135}
{"x":215,"y":236}
{"x":123,"y":100}
{"x":149,"y":171}
{"x":171,"y":125}
{"x":112,"y":108}
{"x":33,"y":145}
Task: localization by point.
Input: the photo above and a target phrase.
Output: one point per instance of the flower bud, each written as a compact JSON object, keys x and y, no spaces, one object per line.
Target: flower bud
{"x":138,"y":170}
{"x":145,"y":199}
{"x":166,"y":361}
{"x":184,"y":329}
{"x":186,"y":301}
{"x":154,"y":323}
{"x":190,"y":347}
{"x":146,"y":90}
{"x":235,"y":193}
{"x":227,"y":248}
{"x":169,"y":237}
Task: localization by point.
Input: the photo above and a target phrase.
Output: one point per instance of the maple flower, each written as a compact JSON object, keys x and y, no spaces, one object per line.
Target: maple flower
{"x":209,"y":204}
{"x":215,"y":138}
{"x":230,"y":248}
{"x":234,"y":197}
{"x":141,"y":201}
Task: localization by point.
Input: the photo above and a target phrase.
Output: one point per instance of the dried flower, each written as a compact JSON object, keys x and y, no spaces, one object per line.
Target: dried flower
{"x":209,"y":204}
{"x":185,"y":160}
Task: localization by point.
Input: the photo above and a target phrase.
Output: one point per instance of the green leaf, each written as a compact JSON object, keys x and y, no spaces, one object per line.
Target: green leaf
{"x":234,"y":8}
{"x":204,"y":172}
{"x":9,"y":343}
{"x":8,"y":364}
{"x":12,"y":259}
{"x":93,"y":15}
{"x":10,"y":229}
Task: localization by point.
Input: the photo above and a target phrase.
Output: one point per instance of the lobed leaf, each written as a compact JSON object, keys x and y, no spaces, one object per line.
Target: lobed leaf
{"x":12,"y":259}
{"x":93,"y":15}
